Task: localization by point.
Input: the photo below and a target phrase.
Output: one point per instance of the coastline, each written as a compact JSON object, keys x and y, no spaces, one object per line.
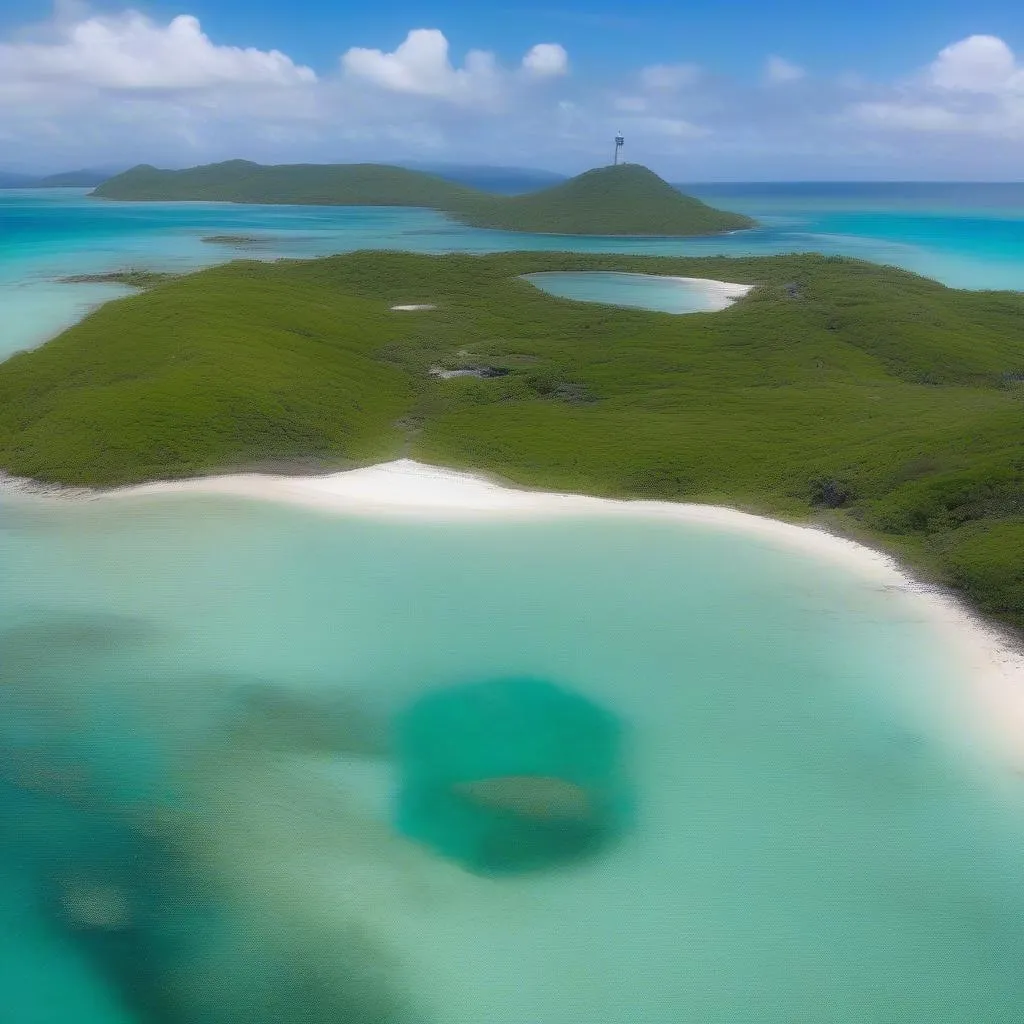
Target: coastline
{"x":991,"y":664}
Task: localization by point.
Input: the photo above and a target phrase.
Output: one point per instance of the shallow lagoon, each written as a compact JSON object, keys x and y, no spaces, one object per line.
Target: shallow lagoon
{"x":639,"y":291}
{"x":809,"y":843}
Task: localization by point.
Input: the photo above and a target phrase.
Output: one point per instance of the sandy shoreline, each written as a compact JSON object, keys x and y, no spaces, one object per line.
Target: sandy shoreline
{"x":993,"y":701}
{"x":725,"y":292}
{"x":720,"y":294}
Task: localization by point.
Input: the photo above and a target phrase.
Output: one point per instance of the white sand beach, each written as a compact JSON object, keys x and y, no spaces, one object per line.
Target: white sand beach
{"x":721,"y":293}
{"x":991,"y":705}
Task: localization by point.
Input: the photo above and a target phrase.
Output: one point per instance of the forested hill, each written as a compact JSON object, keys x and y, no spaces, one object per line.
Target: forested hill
{"x":624,"y":200}
{"x":239,"y":181}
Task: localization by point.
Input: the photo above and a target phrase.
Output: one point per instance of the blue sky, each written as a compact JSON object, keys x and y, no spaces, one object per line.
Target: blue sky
{"x":739,"y":90}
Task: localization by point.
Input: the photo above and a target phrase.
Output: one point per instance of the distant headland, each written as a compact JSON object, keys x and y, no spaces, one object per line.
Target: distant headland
{"x":627,"y":199}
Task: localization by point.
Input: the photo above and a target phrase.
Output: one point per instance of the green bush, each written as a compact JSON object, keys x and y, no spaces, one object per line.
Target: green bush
{"x":987,"y":564}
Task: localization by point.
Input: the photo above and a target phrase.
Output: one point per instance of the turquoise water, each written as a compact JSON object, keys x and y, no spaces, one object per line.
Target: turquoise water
{"x":640,"y":291}
{"x":968,"y":236}
{"x":200,"y":805}
{"x":809,"y":843}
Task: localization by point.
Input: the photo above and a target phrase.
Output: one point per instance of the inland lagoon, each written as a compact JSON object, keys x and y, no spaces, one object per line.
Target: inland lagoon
{"x":641,"y":291}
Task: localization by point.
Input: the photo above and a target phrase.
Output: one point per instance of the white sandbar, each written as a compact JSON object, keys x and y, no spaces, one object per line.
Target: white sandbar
{"x":413,"y":307}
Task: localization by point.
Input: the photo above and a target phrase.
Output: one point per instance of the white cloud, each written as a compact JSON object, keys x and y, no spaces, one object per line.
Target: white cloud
{"x":982,"y":64}
{"x":132,"y":52}
{"x":778,"y":71}
{"x":421,"y":66}
{"x":916,"y":117}
{"x":546,"y":60}
{"x":86,"y":88}
{"x":669,"y":77}
{"x":973,"y":87}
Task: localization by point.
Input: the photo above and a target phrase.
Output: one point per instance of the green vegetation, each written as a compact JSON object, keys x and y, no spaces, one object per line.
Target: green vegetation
{"x":240,"y":181}
{"x":864,"y":396}
{"x":624,"y":200}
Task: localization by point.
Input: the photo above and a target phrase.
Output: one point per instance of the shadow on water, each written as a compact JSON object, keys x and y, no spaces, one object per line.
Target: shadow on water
{"x":114,"y":821}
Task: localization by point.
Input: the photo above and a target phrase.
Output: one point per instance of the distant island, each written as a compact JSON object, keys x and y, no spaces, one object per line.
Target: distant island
{"x":624,"y":200}
{"x":865,"y":396}
{"x":65,"y":179}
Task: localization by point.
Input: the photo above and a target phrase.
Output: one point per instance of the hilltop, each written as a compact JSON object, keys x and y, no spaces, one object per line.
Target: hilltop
{"x":866,"y":396}
{"x":624,"y":200}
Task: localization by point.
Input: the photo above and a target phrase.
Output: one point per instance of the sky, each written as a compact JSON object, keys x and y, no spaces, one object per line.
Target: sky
{"x":715,"y":91}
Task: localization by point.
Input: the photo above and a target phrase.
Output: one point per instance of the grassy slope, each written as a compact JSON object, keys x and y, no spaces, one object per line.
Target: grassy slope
{"x":900,"y":391}
{"x":624,"y":200}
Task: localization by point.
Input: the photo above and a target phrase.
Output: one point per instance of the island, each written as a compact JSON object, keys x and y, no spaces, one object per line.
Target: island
{"x":880,"y":403}
{"x":64,"y":179}
{"x":627,"y":199}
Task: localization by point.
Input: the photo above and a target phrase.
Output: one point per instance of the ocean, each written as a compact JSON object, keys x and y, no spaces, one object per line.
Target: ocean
{"x":200,"y":792}
{"x":967,"y":236}
{"x":809,"y":842}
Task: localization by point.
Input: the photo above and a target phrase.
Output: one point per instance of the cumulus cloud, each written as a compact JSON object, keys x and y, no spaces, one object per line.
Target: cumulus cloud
{"x":86,"y":88}
{"x":546,"y":60}
{"x":982,"y":64}
{"x":98,"y":88}
{"x":132,"y":52}
{"x":421,"y":66}
{"x":974,"y":86}
{"x":778,"y":71}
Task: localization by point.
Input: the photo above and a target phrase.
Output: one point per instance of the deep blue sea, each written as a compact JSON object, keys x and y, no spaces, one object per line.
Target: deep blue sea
{"x":967,"y":236}
{"x":200,"y":793}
